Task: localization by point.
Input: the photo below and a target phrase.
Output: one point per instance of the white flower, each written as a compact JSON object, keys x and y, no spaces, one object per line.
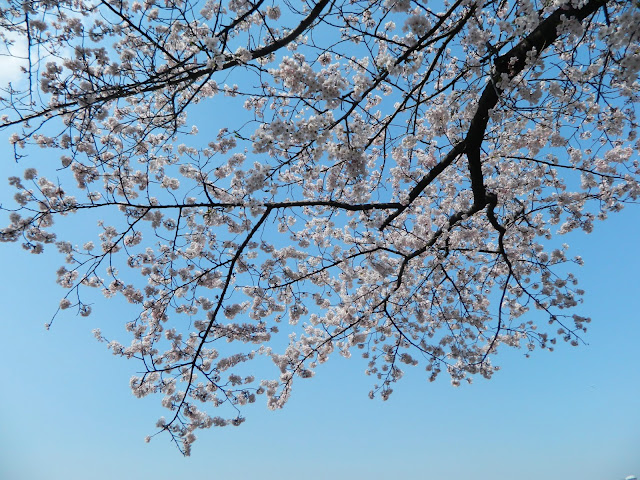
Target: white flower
{"x":30,"y":173}
{"x":273,"y":12}
{"x":243,"y":55}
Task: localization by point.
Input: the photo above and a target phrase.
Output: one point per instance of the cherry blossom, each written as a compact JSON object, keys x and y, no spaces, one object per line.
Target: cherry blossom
{"x":391,"y":182}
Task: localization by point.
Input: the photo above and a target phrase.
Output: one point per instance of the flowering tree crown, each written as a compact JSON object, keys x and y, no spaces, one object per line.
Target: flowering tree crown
{"x":387,"y":184}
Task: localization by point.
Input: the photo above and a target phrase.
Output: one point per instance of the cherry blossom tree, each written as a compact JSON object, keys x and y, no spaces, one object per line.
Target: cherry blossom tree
{"x":380,"y":177}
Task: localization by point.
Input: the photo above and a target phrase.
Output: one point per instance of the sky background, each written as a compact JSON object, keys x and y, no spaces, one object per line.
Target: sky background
{"x":66,"y":410}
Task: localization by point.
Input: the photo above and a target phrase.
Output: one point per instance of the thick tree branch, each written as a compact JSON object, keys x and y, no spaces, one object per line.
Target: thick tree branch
{"x":506,"y":67}
{"x":542,"y":36}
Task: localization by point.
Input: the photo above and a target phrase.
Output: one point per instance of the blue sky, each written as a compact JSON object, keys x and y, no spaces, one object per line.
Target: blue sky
{"x":67,"y":411}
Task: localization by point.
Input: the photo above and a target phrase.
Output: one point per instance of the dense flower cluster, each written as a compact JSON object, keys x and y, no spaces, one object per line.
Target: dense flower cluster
{"x":390,"y":180}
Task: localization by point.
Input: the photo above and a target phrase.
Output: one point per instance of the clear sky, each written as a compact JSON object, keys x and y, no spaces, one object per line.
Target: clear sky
{"x":66,"y":410}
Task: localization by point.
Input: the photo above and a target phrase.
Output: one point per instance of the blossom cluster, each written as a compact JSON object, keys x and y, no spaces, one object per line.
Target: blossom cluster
{"x":381,"y":178}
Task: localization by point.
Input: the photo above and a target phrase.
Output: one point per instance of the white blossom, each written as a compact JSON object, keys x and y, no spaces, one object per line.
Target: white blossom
{"x":380,"y":178}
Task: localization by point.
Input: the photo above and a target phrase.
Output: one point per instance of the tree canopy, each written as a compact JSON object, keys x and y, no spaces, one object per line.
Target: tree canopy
{"x":294,"y":180}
